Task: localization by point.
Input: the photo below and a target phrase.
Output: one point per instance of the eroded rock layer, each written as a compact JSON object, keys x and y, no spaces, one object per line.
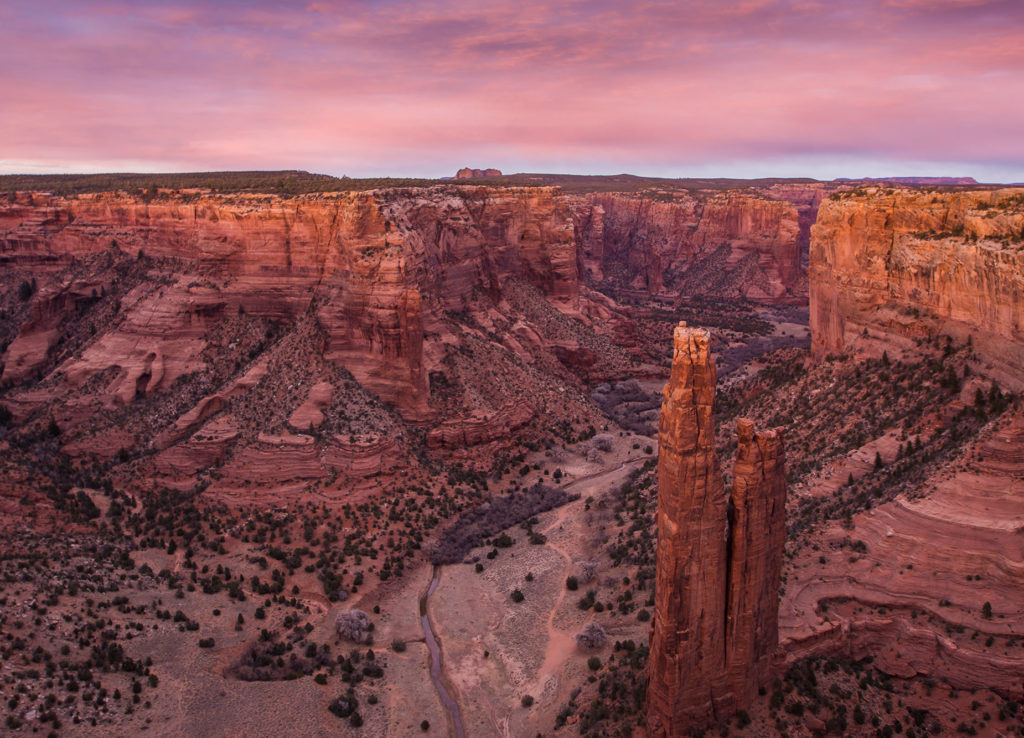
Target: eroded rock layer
{"x":935,"y":589}
{"x":906,"y":264}
{"x":718,"y":560}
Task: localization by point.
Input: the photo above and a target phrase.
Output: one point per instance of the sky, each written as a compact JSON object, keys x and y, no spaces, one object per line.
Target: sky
{"x":684,"y":88}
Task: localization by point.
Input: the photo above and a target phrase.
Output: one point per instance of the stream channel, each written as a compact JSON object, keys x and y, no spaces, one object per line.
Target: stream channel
{"x":436,"y":674}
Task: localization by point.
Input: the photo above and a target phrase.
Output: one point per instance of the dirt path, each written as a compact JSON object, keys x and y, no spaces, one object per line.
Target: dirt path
{"x":562,"y":643}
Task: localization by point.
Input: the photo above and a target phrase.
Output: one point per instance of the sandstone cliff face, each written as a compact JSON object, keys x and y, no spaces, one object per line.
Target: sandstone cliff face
{"x":908,"y":264}
{"x":734,"y":244}
{"x":716,"y":597}
{"x":381,"y":269}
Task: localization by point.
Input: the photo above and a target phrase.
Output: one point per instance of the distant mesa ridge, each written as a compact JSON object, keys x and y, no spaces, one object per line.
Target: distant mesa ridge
{"x":913,"y":180}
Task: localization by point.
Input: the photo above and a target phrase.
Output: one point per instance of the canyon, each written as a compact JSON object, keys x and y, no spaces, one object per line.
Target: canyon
{"x":272,"y":407}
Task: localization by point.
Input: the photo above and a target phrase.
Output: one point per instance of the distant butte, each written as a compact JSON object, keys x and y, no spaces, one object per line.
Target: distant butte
{"x":467,"y":173}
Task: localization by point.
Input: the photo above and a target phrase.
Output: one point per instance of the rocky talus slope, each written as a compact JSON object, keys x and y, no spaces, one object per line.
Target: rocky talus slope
{"x":716,"y":596}
{"x":891,"y":266}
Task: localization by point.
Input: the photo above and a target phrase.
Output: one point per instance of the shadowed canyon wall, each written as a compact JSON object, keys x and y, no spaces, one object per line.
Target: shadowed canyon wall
{"x":719,"y":556}
{"x":725,"y":244}
{"x":906,"y":264}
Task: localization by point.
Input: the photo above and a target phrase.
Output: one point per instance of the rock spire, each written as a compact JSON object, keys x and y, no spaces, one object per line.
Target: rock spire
{"x":719,"y":555}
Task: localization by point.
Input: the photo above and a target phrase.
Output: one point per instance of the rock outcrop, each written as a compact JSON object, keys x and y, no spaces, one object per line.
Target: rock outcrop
{"x":732,"y":243}
{"x":757,"y":536}
{"x":716,"y":604}
{"x":914,"y":599}
{"x":902,"y":265}
{"x":461,"y":433}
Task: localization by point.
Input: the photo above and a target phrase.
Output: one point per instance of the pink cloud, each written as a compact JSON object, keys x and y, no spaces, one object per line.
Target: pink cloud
{"x":422,"y":87}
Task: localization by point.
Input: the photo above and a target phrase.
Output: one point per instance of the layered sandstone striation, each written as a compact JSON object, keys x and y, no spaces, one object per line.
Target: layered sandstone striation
{"x":719,"y":556}
{"x":915,"y":599}
{"x":732,"y":243}
{"x":902,"y":265}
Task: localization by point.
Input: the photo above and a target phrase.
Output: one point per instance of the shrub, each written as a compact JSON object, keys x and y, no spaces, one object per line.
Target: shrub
{"x":588,"y":571}
{"x":517,"y":596}
{"x":594,"y":663}
{"x":572,"y":583}
{"x":527,"y":701}
{"x":206,"y":643}
{"x":344,"y":706}
{"x":398,"y":646}
{"x":495,"y":515}
{"x":25,"y":290}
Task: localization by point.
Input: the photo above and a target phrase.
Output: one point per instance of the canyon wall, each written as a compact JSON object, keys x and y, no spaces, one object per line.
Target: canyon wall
{"x":715,"y":629}
{"x":905,"y":264}
{"x":724,"y":244}
{"x":380,"y":269}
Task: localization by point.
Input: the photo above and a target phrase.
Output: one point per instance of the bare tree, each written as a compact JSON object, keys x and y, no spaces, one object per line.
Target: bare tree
{"x":353,"y":625}
{"x":588,"y":571}
{"x":591,"y":638}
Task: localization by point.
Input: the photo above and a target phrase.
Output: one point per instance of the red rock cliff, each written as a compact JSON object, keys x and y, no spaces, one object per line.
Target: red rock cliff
{"x":380,"y":268}
{"x":716,"y":595}
{"x":905,"y":264}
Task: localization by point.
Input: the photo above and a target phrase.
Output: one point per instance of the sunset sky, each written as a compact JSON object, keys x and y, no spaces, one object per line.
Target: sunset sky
{"x":406,"y":88}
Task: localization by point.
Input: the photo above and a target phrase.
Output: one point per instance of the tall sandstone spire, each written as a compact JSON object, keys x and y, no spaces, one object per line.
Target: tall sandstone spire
{"x":719,"y":557}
